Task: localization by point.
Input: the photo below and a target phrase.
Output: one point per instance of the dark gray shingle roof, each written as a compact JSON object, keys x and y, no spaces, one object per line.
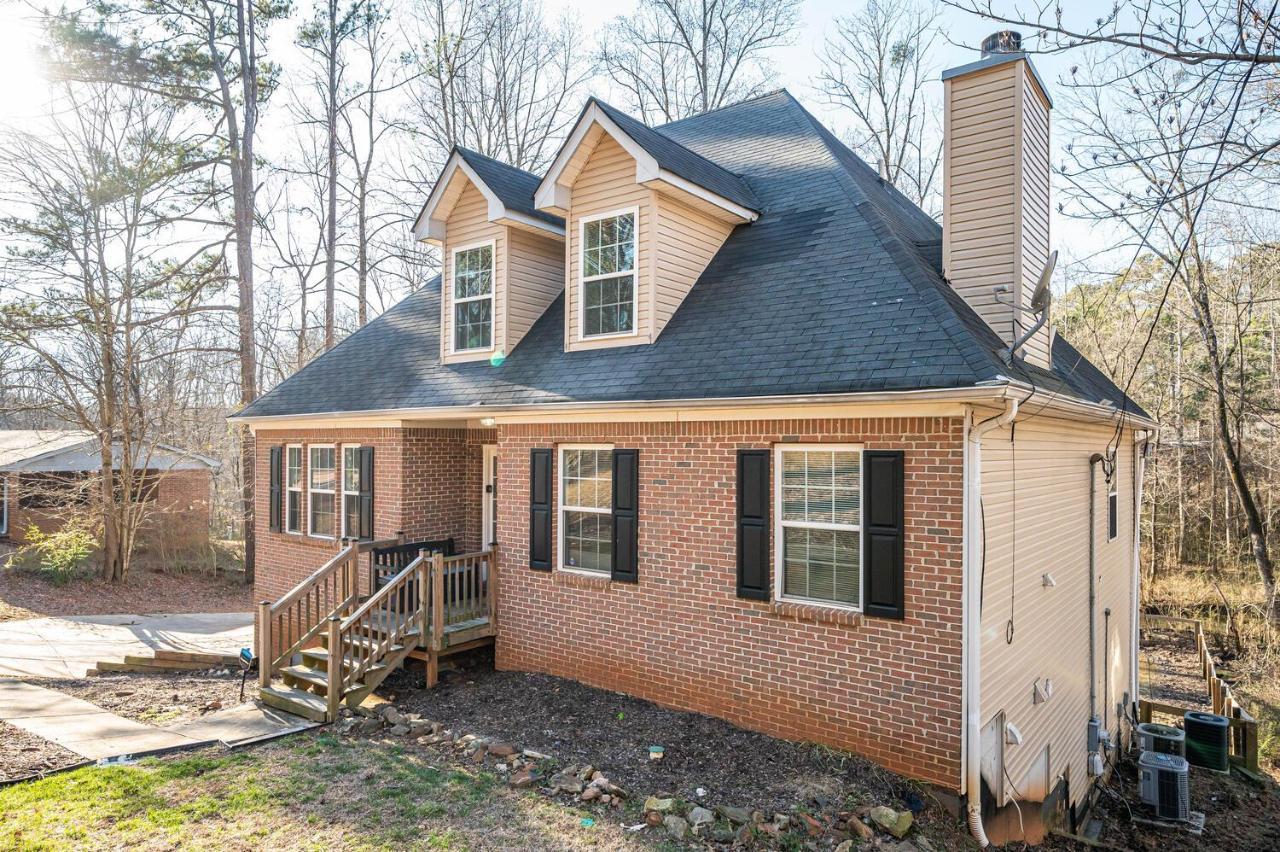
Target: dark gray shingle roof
{"x":836,"y":288}
{"x":514,"y":186}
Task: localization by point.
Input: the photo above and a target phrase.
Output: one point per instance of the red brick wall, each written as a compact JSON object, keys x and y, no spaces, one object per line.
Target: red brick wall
{"x":890,"y":690}
{"x":178,"y":522}
{"x":426,"y":482}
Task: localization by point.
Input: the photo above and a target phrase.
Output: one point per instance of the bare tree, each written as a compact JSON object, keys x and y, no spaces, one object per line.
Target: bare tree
{"x":207,"y":55}
{"x":875,"y":66}
{"x":676,"y":58}
{"x":101,"y":293}
{"x":497,"y":78}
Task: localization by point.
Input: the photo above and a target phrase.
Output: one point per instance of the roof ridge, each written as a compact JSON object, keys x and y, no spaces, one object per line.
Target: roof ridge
{"x":749,"y":99}
{"x":982,"y":361}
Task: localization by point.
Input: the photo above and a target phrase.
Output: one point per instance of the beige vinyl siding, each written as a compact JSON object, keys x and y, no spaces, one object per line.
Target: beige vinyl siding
{"x":1035,"y":207}
{"x":687,"y":240}
{"x":1037,"y":523}
{"x":535,"y":277}
{"x":607,"y":184}
{"x":995,"y":193}
{"x":468,"y":223}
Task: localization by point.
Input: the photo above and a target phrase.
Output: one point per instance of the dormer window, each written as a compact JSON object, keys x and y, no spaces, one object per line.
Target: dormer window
{"x":608,"y":288}
{"x":473,"y":298}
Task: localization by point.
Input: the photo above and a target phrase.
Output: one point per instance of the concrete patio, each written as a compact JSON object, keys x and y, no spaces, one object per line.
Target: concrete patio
{"x":69,"y":647}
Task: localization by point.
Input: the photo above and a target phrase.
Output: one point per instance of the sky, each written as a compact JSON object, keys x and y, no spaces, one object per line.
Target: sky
{"x":797,"y":65}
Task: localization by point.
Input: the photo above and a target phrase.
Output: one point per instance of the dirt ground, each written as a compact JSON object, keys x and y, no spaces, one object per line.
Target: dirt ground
{"x":159,"y":699}
{"x":23,"y":754}
{"x":1171,"y":671}
{"x":25,"y":594}
{"x":580,"y":725}
{"x":1239,"y":816}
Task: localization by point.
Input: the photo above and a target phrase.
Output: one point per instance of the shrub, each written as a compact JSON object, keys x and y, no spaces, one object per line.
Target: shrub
{"x":59,"y":554}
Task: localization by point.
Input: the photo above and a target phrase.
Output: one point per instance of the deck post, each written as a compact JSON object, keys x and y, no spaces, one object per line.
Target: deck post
{"x":333,"y":688}
{"x":493,"y":586}
{"x":424,"y":596}
{"x":264,"y":643}
{"x":437,"y":602}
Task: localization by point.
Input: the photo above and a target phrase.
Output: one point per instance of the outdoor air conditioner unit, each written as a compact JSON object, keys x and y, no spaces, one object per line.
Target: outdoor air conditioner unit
{"x":1163,"y":781}
{"x":1164,"y":739}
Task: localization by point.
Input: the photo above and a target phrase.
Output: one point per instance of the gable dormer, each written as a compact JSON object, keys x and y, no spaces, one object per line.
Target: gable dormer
{"x":502,"y":260}
{"x":644,"y":216}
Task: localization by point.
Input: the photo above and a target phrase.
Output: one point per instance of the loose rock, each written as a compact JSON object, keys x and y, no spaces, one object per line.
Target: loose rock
{"x":501,"y":749}
{"x":897,"y":823}
{"x":676,"y":826}
{"x":700,"y":816}
{"x":662,"y":806}
{"x":737,"y":816}
{"x":524,"y":778}
{"x":399,"y":730}
{"x":562,"y":783}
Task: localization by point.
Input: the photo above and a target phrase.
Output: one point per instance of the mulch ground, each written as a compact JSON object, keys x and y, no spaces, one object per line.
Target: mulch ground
{"x":159,"y":699}
{"x":1171,"y":670}
{"x":24,"y":755}
{"x":580,"y":725}
{"x":26,"y":594}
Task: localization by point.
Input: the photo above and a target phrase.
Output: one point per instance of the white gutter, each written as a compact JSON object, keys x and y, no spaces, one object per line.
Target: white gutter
{"x":973,"y":557}
{"x":997,"y":392}
{"x":1141,"y":441}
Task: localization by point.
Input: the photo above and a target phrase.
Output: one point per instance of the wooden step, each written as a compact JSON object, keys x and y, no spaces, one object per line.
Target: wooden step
{"x":232,"y":660}
{"x":296,"y":701}
{"x":169,"y":665}
{"x":304,"y":677}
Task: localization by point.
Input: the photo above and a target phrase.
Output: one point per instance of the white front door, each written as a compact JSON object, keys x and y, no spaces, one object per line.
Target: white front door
{"x":489,"y":496}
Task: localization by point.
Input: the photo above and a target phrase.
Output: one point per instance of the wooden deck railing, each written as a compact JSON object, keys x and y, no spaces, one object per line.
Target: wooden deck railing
{"x":295,"y":621}
{"x":364,"y":638}
{"x":1243,"y":727}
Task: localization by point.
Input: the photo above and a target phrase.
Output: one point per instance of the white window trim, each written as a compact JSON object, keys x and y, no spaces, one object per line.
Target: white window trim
{"x":454,"y":301}
{"x":583,"y":278}
{"x":561,"y":508}
{"x":342,"y":487}
{"x":778,"y":524}
{"x":302,"y":471}
{"x":4,"y":504}
{"x":337,"y":471}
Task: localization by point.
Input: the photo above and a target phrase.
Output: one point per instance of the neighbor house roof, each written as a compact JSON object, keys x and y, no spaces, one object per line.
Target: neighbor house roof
{"x":77,"y":450}
{"x":837,"y":287}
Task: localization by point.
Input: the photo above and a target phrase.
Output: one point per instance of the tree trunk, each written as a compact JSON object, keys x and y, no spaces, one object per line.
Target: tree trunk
{"x":331,"y":188}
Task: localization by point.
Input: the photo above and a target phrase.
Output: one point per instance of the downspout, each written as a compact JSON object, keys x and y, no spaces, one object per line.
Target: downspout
{"x":1094,"y":460}
{"x":973,"y":557}
{"x":1141,"y":445}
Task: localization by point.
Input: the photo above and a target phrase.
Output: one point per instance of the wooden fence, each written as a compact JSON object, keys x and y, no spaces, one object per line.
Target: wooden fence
{"x":1243,"y":727}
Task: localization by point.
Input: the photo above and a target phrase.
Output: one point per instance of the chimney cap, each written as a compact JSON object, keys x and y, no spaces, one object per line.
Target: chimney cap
{"x":1004,"y":41}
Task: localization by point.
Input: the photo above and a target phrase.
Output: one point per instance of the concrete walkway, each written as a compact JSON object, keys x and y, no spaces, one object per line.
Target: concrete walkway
{"x":69,"y":647}
{"x":95,"y":734}
{"x":79,"y":726}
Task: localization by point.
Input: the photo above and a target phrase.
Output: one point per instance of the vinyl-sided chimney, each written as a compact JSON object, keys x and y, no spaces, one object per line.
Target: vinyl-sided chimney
{"x":995,"y":219}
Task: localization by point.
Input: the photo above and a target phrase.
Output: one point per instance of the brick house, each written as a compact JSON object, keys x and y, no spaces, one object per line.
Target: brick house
{"x":46,"y":474}
{"x":711,"y":415}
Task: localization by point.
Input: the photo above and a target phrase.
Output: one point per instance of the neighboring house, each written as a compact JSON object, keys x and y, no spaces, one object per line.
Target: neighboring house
{"x":740,"y":429}
{"x":46,"y":476}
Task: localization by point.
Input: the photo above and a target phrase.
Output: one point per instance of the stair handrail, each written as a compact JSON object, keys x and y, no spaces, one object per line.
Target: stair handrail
{"x":346,"y":671}
{"x":339,"y":594}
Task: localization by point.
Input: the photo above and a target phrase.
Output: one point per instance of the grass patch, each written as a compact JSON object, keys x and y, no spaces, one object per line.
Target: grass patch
{"x":305,"y":792}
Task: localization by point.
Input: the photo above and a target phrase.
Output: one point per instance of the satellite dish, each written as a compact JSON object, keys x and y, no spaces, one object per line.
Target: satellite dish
{"x":1041,"y":297}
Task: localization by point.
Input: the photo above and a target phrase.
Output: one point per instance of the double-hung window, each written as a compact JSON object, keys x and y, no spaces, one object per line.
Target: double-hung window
{"x":322,"y":479}
{"x":351,"y":491}
{"x":818,"y":537}
{"x":586,"y":508}
{"x":293,"y":489}
{"x":473,"y":298}
{"x":608,"y":290}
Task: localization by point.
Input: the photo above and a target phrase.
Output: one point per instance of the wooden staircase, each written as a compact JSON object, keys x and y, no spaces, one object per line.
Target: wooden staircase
{"x":330,"y":645}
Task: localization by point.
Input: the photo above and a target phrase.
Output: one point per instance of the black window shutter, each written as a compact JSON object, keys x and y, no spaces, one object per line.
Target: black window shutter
{"x":626,"y":516}
{"x":540,"y":509}
{"x":276,"y":464}
{"x":753,"y":524}
{"x":883,"y":535}
{"x":365,"y":489}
